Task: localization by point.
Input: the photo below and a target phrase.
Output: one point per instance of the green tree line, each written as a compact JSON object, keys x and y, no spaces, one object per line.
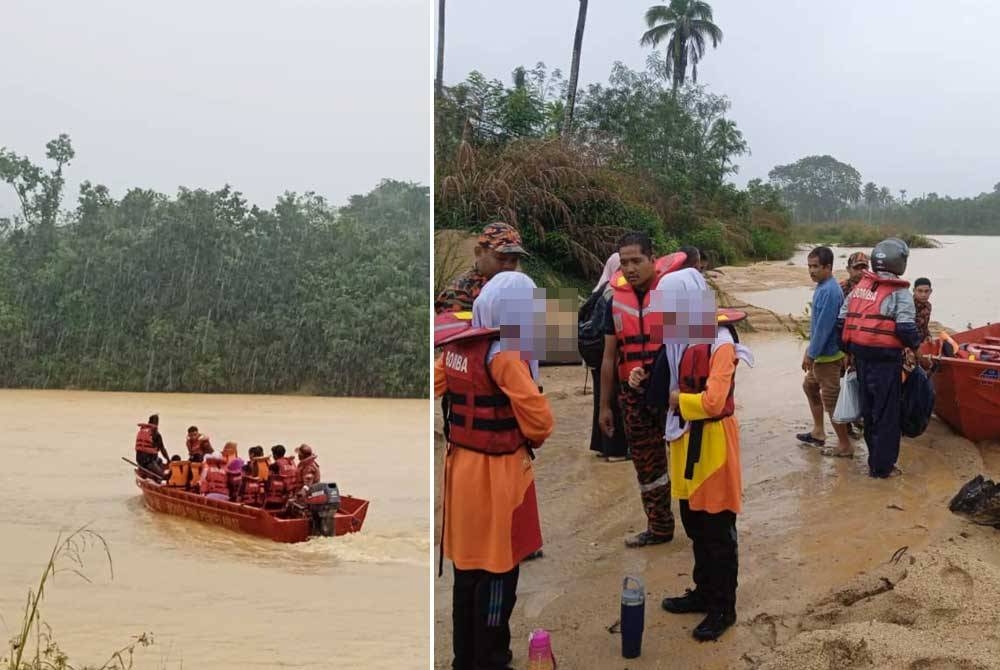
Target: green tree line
{"x":203,"y":292}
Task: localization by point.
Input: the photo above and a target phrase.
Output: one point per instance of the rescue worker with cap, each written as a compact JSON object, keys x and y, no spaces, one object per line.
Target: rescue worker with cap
{"x":148,"y":444}
{"x":629,"y":352}
{"x":498,"y":249}
{"x":857,"y":265}
{"x":307,"y":463}
{"x":876,"y":323}
{"x":489,"y":515}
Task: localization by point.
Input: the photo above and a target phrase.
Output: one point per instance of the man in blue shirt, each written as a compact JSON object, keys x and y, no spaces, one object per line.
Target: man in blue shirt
{"x":823,"y":361}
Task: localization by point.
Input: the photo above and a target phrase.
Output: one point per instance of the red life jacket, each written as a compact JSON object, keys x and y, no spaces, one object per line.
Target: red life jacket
{"x":480,"y":416}
{"x":449,"y":324}
{"x":865,"y":325}
{"x":144,"y":439}
{"x":216,"y":481}
{"x":633,"y":321}
{"x":282,"y":484}
{"x":192,"y":444}
{"x":253,"y":491}
{"x":696,"y":364}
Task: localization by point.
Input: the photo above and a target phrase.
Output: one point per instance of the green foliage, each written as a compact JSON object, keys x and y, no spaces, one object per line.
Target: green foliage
{"x":203,"y":292}
{"x":859,"y":234}
{"x":639,"y":157}
{"x":684,"y":26}
{"x":818,"y":188}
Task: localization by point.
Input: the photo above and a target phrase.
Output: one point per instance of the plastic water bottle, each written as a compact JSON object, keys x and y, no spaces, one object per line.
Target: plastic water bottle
{"x":540,"y":651}
{"x":633,"y":617}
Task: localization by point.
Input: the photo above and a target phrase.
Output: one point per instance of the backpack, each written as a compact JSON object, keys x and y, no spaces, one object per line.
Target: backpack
{"x":590,"y":327}
{"x":917,"y":403}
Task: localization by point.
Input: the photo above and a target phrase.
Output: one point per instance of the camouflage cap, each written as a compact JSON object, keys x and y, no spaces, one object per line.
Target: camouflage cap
{"x":857,"y":258}
{"x":502,"y":238}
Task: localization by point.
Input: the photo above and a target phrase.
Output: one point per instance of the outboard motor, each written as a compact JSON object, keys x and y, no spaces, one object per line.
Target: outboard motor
{"x":323,"y":500}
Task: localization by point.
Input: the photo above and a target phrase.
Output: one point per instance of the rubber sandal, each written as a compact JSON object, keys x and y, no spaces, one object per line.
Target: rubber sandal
{"x":617,"y":459}
{"x":808,"y":439}
{"x":835,"y":453}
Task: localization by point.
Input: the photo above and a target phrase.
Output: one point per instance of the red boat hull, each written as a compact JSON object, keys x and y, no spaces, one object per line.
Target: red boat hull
{"x":244,"y":518}
{"x":967,"y":393}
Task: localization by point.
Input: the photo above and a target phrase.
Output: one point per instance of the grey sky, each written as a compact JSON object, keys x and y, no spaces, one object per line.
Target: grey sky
{"x":904,"y":91}
{"x":323,"y":95}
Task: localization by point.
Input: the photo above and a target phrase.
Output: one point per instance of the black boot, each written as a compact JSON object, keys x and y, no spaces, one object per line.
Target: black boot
{"x":714,"y":625}
{"x":691,"y":601}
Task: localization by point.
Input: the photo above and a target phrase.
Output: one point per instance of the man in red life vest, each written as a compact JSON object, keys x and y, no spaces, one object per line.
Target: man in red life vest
{"x":148,"y":444}
{"x":876,"y":323}
{"x":629,"y":351}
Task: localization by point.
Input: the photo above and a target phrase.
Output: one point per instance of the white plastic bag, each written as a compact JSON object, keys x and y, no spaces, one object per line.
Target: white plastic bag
{"x":849,"y":401}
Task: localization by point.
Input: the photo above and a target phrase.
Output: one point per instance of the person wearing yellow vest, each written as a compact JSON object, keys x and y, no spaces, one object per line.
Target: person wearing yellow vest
{"x":705,"y":456}
{"x":148,"y":445}
{"x":629,"y":352}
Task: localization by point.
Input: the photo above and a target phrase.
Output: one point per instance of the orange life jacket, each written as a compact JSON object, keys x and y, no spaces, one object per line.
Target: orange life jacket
{"x":216,"y":481}
{"x":144,"y":439}
{"x":180,"y":471}
{"x":309,"y":464}
{"x":480,"y":416}
{"x":195,"y":467}
{"x":260,"y":467}
{"x":282,"y":484}
{"x":253,"y":491}
{"x":865,"y":325}
{"x":633,"y":322}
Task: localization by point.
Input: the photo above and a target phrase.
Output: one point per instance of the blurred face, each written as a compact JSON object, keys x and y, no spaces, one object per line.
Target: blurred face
{"x":490,"y":262}
{"x":683,"y":317}
{"x":637,"y":267}
{"x":818,"y":272}
{"x":922,"y":293}
{"x":857,"y":270}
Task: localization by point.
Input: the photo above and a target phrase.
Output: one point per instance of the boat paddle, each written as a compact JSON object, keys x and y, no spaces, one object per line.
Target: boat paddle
{"x":148,"y":472}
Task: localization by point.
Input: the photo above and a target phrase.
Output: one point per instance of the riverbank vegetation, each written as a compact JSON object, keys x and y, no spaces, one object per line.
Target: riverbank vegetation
{"x":202,"y":291}
{"x":859,"y":234}
{"x":574,"y":168}
{"x":33,"y":647}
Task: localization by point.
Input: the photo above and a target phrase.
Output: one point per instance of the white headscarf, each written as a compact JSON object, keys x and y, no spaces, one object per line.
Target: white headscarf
{"x":611,"y":266}
{"x":508,"y":299}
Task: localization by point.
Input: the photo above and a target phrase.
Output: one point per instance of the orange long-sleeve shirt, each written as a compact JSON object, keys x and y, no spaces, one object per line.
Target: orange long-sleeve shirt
{"x":490,"y":508}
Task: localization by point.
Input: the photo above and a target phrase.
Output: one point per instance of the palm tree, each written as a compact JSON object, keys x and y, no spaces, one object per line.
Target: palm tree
{"x":574,"y":70}
{"x":724,"y":141}
{"x":684,"y":25}
{"x":870,"y":194}
{"x":439,"y":77}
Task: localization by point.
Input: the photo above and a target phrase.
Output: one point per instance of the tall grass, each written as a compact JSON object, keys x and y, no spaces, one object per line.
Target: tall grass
{"x":859,"y":234}
{"x":33,"y":647}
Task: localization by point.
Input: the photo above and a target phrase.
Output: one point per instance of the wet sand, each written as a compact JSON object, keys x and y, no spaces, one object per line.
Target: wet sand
{"x":816,"y":537}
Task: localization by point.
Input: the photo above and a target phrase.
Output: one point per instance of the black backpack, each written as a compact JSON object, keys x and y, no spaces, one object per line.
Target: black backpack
{"x":590,"y":327}
{"x":917,"y":403}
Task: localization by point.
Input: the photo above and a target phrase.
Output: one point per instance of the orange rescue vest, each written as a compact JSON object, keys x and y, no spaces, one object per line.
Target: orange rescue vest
{"x":216,"y":481}
{"x":480,"y":416}
{"x":865,"y":325}
{"x":144,"y":439}
{"x":180,"y":471}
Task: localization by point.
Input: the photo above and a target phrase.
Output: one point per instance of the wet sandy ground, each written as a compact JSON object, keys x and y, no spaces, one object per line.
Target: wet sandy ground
{"x":815,"y":535}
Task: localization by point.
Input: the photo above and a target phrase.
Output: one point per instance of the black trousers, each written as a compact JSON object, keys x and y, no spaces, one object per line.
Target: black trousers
{"x":716,"y":556}
{"x":482,"y":603}
{"x":150,"y":462}
{"x":615,"y":445}
{"x":881,"y":394}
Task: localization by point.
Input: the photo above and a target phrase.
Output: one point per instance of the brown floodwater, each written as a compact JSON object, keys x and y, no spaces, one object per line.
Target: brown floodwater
{"x":214,"y":598}
{"x":961,"y":271}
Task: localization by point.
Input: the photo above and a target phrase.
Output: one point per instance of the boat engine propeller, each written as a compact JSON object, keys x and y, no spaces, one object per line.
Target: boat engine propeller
{"x":321,"y":502}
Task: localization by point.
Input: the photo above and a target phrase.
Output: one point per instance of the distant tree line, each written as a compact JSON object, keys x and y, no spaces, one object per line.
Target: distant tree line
{"x":821,"y":189}
{"x":203,"y":292}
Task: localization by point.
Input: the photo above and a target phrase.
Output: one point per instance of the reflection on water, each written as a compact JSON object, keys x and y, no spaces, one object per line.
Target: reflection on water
{"x":962,"y":273}
{"x":215,"y":598}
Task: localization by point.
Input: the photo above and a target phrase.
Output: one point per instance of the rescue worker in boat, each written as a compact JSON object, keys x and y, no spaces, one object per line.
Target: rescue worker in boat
{"x":498,"y":249}
{"x":234,"y":478}
{"x":496,"y":417}
{"x":922,"y":302}
{"x":198,"y":445}
{"x":876,"y":323}
{"x":630,"y":350}
{"x":148,"y":445}
{"x":214,"y":479}
{"x":705,"y":455}
{"x":307,"y":463}
{"x":284,"y":477}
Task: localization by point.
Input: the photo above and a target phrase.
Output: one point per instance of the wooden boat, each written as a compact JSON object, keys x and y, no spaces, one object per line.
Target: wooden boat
{"x":967,"y":392}
{"x":273,"y":524}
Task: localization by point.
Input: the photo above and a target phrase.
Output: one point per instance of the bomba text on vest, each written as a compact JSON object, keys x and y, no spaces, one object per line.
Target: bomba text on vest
{"x":456,"y":362}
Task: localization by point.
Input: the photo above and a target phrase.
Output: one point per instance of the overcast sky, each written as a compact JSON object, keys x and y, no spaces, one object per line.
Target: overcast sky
{"x":905,"y":91}
{"x":268,"y":96}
